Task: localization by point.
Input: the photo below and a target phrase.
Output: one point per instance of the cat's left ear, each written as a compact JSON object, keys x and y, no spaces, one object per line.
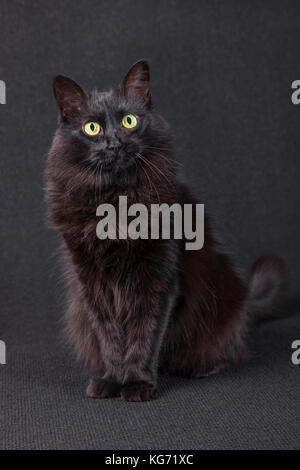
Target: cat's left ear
{"x":137,"y":81}
{"x":69,"y":96}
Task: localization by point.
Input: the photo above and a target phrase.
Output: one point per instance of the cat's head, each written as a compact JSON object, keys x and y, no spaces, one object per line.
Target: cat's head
{"x":114,"y":129}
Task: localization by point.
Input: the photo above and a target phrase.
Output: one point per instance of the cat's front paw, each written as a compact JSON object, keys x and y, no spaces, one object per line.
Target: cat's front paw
{"x":138,"y":391}
{"x":99,"y":388}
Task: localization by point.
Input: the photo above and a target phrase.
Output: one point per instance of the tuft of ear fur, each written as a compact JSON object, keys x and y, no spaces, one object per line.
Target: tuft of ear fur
{"x":137,"y":81}
{"x":69,"y":96}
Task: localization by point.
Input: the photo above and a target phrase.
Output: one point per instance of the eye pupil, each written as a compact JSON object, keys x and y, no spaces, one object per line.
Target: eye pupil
{"x":129,"y":121}
{"x":92,"y":127}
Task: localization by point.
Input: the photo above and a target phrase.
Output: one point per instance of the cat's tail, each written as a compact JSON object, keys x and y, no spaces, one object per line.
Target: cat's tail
{"x":266,"y":288}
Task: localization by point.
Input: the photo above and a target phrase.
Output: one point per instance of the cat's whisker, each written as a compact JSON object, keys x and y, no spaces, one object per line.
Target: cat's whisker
{"x":154,"y":167}
{"x":170,"y":161}
{"x":151,"y":167}
{"x":99,"y":183}
{"x":150,"y":183}
{"x":160,"y":148}
{"x":71,"y":187}
{"x":163,"y":149}
{"x":98,"y":167}
{"x":144,"y":170}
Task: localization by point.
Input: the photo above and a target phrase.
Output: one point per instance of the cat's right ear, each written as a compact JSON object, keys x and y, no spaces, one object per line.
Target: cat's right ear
{"x":70,"y":98}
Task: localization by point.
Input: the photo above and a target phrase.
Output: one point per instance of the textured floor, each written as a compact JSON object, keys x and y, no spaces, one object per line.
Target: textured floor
{"x":252,"y":406}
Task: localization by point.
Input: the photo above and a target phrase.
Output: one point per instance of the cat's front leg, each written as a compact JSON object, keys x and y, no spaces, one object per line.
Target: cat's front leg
{"x":106,"y":383}
{"x":139,"y":391}
{"x":101,"y":388}
{"x":139,"y":365}
{"x":145,"y":333}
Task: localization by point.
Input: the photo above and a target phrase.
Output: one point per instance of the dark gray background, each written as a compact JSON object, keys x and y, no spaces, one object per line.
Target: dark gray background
{"x":221,"y":75}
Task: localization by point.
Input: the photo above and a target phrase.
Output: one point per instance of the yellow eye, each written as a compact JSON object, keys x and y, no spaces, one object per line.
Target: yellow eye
{"x":129,"y":121}
{"x":91,"y":128}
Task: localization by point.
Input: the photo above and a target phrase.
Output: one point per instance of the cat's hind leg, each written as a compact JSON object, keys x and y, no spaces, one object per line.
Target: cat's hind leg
{"x":204,"y":357}
{"x":197,"y":372}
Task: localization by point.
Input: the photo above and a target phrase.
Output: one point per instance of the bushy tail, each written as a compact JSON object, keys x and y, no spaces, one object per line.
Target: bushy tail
{"x":266,"y":287}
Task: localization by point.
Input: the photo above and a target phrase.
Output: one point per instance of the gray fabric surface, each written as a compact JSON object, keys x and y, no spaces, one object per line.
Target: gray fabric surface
{"x":221,"y":76}
{"x":251,"y":406}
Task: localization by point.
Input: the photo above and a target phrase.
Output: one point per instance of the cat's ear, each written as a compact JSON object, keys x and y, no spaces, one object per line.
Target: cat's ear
{"x":70,"y":97}
{"x":137,"y":81}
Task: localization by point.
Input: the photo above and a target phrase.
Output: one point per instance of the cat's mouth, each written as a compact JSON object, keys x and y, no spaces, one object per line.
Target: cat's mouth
{"x":118,"y":160}
{"x":108,"y":161}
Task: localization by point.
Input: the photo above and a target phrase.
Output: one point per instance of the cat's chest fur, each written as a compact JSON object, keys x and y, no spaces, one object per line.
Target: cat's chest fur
{"x":113,"y":273}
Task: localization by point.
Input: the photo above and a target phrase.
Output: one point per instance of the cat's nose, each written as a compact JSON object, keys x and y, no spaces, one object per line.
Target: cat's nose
{"x":114,"y":145}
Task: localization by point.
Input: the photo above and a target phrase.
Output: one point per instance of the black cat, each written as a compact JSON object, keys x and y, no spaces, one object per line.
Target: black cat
{"x":137,"y":306}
